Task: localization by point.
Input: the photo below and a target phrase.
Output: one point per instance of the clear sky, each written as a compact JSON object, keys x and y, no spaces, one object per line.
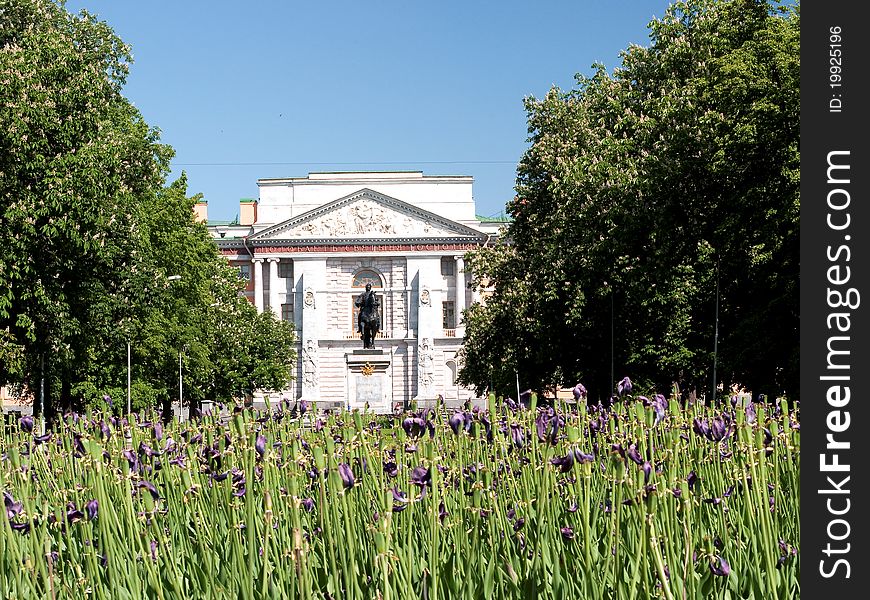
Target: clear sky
{"x":250,"y":90}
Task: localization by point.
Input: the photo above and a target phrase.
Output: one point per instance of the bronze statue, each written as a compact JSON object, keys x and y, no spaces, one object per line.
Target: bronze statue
{"x":369,"y":319}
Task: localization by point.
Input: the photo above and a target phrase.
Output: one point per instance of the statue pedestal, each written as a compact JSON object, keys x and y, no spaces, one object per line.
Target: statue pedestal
{"x":369,"y":379}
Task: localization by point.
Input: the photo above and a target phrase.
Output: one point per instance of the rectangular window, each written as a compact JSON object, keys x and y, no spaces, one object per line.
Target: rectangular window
{"x":448,"y":312}
{"x":447,"y":266}
{"x":245,"y":271}
{"x":287,"y":312}
{"x":285,"y":270}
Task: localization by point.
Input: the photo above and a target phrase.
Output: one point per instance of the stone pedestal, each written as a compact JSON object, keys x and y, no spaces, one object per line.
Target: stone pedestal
{"x":369,"y":380}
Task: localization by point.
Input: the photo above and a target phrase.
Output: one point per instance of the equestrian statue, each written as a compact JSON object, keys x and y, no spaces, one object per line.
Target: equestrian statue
{"x":369,"y":319}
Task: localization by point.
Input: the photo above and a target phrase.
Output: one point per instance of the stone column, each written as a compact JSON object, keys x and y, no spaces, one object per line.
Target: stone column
{"x":312,"y":309}
{"x":258,"y":283}
{"x":460,"y":293}
{"x":428,"y":307}
{"x":274,"y":303}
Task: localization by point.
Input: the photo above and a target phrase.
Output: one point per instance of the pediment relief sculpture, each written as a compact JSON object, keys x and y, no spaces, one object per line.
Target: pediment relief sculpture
{"x":364,"y":216}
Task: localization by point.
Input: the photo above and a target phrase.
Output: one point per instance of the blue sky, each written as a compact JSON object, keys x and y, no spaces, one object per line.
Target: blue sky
{"x":244,"y":91}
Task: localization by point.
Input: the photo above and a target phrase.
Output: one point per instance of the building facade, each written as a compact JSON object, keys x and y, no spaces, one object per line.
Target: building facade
{"x":309,"y":245}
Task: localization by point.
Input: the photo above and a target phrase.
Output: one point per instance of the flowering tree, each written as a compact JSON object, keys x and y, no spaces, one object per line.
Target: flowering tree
{"x":89,"y":232}
{"x":649,"y":196}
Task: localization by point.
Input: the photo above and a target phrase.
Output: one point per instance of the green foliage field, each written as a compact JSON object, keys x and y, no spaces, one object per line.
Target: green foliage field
{"x":648,"y":499}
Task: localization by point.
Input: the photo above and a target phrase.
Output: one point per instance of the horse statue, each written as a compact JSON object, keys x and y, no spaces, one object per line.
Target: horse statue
{"x":369,"y":319}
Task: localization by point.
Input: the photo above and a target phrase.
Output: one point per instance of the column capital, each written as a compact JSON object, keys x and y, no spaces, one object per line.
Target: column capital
{"x":273,"y":259}
{"x":258,"y":259}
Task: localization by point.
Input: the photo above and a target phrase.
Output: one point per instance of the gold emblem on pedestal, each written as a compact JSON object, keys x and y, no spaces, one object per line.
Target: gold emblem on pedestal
{"x":367,"y":369}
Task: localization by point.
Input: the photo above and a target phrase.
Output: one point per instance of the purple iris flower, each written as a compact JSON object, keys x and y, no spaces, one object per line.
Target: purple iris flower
{"x":41,"y":439}
{"x":152,"y":489}
{"x":26,"y":423}
{"x":400,"y":500}
{"x":303,"y":407}
{"x":457,"y":421}
{"x":547,"y":425}
{"x":582,"y":457}
{"x":750,"y":413}
{"x":786,"y":552}
{"x":565,"y":463}
{"x":567,"y":533}
{"x":579,"y":392}
{"x":692,"y":479}
{"x":132,"y":459}
{"x":308,"y":504}
{"x":13,"y":508}
{"x":146,"y":450}
{"x":260,"y":445}
{"x":346,"y":475}
{"x":105,"y":431}
{"x":73,"y":514}
{"x":634,"y":454}
{"x":659,"y":405}
{"x":91,"y":508}
{"x":718,"y":430}
{"x":421,"y":476}
{"x":517,"y":436}
{"x":158,"y":431}
{"x":391,"y":469}
{"x":487,"y":427}
{"x":719,"y":566}
{"x":624,"y":386}
{"x":414,"y":426}
{"x":647,"y":470}
{"x":21,"y":528}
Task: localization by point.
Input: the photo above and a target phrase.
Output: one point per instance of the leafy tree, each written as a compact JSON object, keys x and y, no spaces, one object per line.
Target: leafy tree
{"x":642,"y":193}
{"x":74,"y":158}
{"x":90,"y":234}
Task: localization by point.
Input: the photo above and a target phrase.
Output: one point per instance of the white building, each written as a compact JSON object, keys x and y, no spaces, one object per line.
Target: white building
{"x":310,"y":244}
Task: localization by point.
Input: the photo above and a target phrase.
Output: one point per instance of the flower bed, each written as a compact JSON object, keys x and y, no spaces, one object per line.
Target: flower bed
{"x":645,"y":499}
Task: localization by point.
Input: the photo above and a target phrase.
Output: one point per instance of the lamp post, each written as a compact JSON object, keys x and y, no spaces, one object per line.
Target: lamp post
{"x":180,"y":351}
{"x":180,"y":386}
{"x":128,"y":375}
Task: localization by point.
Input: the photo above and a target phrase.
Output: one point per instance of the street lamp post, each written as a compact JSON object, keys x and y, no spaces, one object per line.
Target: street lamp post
{"x":128,"y":376}
{"x":180,"y":351}
{"x":180,"y":386}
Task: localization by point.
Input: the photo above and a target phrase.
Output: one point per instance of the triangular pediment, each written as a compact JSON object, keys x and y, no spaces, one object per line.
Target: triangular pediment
{"x":367,"y":215}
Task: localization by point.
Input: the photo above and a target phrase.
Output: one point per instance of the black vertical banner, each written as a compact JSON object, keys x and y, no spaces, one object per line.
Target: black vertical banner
{"x":835,"y":299}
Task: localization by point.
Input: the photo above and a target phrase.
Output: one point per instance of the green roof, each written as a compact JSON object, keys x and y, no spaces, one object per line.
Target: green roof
{"x":499,"y":218}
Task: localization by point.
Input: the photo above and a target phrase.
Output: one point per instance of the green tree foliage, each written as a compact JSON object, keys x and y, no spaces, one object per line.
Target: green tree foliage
{"x":642,"y":191}
{"x":90,"y":234}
